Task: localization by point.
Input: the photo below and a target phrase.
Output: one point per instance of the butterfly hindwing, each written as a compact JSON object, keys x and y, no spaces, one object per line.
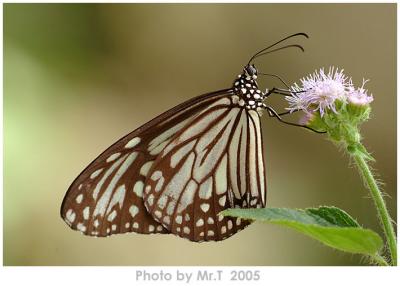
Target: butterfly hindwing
{"x":206,"y":168}
{"x":107,"y":197}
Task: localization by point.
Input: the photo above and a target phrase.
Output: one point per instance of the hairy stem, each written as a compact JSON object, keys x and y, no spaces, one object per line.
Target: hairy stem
{"x":379,"y":260}
{"x":380,"y":205}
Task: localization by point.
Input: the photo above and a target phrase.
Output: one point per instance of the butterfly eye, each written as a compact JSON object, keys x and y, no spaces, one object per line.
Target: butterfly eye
{"x":250,"y":70}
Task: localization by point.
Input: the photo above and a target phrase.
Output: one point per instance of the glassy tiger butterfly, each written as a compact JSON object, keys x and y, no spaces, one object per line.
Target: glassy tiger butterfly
{"x":177,"y":172}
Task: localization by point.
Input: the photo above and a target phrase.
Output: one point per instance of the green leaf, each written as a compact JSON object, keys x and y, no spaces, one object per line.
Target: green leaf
{"x":329,"y":225}
{"x":334,"y":216}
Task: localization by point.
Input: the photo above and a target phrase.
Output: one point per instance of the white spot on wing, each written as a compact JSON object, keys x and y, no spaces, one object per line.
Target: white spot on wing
{"x":156,"y":175}
{"x":150,"y":199}
{"x":162,"y":201}
{"x":70,"y":215}
{"x":132,"y":143}
{"x":147,"y":189}
{"x":86,"y":212}
{"x":81,"y":227}
{"x":145,"y":168}
{"x":138,"y":189}
{"x":167,"y":220}
{"x":159,"y":184}
{"x":79,"y":198}
{"x":235,"y":99}
{"x":96,"y":173}
{"x":205,"y":207}
{"x":178,"y":219}
{"x":133,"y":210}
{"x":200,"y":222}
{"x":112,"y":216}
{"x":113,"y":157}
{"x":222,"y":201}
{"x":157,"y":213}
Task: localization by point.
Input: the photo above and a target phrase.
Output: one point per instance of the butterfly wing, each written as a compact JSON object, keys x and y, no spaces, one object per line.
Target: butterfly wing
{"x":107,"y":197}
{"x":215,"y":162}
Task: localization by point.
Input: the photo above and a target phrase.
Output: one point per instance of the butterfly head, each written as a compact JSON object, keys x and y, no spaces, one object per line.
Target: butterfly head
{"x":250,"y":71}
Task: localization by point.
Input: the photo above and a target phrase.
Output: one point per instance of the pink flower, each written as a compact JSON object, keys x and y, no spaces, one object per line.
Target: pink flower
{"x":359,"y":96}
{"x":320,"y":92}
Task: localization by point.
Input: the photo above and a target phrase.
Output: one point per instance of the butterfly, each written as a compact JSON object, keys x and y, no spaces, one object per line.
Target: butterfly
{"x":177,"y":172}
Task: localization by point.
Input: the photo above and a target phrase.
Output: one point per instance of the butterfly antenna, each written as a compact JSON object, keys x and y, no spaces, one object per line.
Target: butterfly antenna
{"x":281,"y":48}
{"x":280,"y":41}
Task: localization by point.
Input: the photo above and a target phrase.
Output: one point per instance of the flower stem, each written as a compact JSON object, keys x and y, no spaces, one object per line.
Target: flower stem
{"x":380,"y":205}
{"x":379,"y":260}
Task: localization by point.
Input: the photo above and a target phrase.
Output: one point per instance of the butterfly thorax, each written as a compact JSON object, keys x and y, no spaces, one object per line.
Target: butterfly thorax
{"x":246,"y":87}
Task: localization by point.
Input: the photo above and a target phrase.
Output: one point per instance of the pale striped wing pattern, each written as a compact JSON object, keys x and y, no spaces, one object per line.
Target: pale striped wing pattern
{"x":213,"y":163}
{"x":107,"y":197}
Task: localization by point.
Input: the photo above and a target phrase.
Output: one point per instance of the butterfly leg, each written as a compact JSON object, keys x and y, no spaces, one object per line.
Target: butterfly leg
{"x":278,"y":91}
{"x":273,"y":113}
{"x":285,"y":92}
{"x":276,"y":76}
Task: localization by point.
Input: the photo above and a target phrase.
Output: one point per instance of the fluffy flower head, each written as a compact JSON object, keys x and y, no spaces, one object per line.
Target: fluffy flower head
{"x":320,"y":91}
{"x":359,"y":96}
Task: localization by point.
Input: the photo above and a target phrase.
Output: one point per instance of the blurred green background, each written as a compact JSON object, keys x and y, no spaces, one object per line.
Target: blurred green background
{"x":77,"y":77}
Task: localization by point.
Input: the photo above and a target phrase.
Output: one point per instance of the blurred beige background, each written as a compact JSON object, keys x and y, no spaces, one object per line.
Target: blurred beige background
{"x":79,"y":77}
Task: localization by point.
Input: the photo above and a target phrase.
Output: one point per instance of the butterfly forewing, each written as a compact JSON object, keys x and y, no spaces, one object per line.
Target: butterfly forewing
{"x":107,"y":197}
{"x":210,"y":165}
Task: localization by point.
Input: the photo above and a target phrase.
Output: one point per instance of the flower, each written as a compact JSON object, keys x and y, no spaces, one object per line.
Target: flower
{"x":320,"y":92}
{"x":298,"y":101}
{"x":359,"y":96}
